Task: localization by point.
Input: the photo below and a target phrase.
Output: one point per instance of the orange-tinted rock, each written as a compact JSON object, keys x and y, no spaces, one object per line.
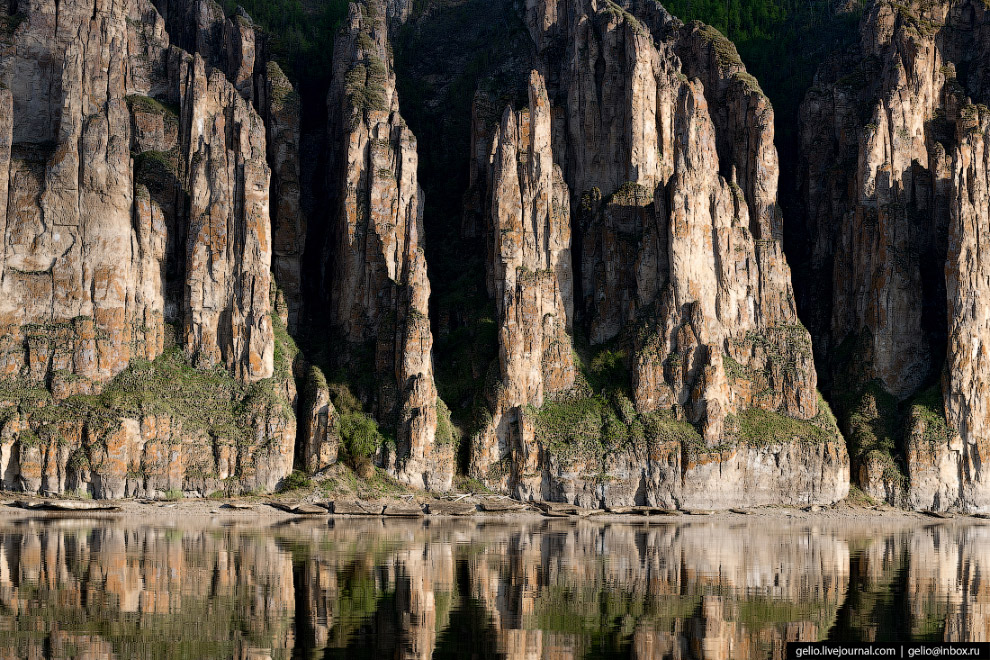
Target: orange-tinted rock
{"x":894,"y":182}
{"x":134,"y":199}
{"x":377,"y":284}
{"x":530,"y":274}
{"x":668,"y":185}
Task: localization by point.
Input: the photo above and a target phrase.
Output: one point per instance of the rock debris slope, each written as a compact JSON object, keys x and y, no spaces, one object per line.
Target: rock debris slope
{"x":664,"y":146}
{"x":894,"y":172}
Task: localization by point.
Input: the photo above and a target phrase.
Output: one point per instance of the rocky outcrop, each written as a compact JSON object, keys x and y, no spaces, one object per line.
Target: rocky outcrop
{"x":666,"y":150}
{"x":137,"y":219}
{"x":376,"y":283}
{"x":281,"y":108}
{"x":229,"y":44}
{"x":320,"y":436}
{"x":968,"y":364}
{"x":237,"y":47}
{"x":894,"y":185}
{"x":530,"y":275}
{"x":228,"y":260}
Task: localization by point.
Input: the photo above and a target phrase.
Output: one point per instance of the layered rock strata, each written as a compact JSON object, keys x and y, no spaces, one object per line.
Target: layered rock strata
{"x":666,"y":151}
{"x":894,"y":180}
{"x":376,"y":282}
{"x":136,"y":216}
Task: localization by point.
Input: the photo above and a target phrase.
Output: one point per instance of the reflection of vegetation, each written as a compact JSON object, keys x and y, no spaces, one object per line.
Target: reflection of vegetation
{"x":185,"y":612}
{"x":603,"y":620}
{"x":758,"y":612}
{"x":469,"y":632}
{"x":210,"y":593}
{"x":878,"y":601}
{"x":588,"y":610}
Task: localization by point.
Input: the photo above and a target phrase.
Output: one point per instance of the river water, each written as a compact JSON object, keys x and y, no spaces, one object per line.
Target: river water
{"x":542,"y":588}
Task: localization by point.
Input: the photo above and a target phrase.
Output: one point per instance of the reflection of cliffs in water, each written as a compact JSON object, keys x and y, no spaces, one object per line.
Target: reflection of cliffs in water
{"x":450,"y":590}
{"x":110,"y":592}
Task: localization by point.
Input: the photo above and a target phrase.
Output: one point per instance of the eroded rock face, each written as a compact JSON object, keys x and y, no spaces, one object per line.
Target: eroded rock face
{"x":281,"y":109}
{"x":968,"y":364}
{"x":530,"y":273}
{"x":666,"y":151}
{"x":138,"y":212}
{"x":376,"y":282}
{"x":69,"y":226}
{"x":236,"y":47}
{"x":894,"y":183}
{"x":320,"y":437}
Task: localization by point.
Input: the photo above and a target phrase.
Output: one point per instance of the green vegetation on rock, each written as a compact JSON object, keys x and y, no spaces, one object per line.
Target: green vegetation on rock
{"x":9,"y":24}
{"x":209,"y":401}
{"x":364,"y":85}
{"x":360,"y":434}
{"x":597,"y":417}
{"x":300,"y":34}
{"x":151,"y":105}
{"x":928,"y":407}
{"x":295,"y":481}
{"x":874,"y":430}
{"x":763,"y":427}
{"x":781,"y":42}
{"x":725,"y":50}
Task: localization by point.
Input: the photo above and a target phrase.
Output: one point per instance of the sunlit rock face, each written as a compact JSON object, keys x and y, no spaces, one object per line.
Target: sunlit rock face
{"x":894,"y":184}
{"x":135,"y":223}
{"x":376,"y":282}
{"x":530,"y":274}
{"x":108,"y":131}
{"x":632,"y":205}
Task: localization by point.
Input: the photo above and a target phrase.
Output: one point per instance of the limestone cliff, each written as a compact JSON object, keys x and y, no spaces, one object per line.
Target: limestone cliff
{"x":237,"y":47}
{"x":530,"y":274}
{"x":620,"y":304}
{"x":376,"y":282}
{"x":894,"y":187}
{"x":665,"y":147}
{"x":136,"y":217}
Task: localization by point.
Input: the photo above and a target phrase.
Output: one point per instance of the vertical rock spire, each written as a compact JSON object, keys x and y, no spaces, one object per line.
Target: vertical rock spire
{"x":532,"y":277}
{"x":377,"y":284}
{"x":664,"y":147}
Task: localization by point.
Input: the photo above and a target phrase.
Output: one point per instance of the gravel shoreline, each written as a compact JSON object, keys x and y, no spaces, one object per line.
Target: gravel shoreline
{"x":264,"y":511}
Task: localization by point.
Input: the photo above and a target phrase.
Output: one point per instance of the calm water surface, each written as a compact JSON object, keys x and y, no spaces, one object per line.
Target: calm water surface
{"x":472,"y":589}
